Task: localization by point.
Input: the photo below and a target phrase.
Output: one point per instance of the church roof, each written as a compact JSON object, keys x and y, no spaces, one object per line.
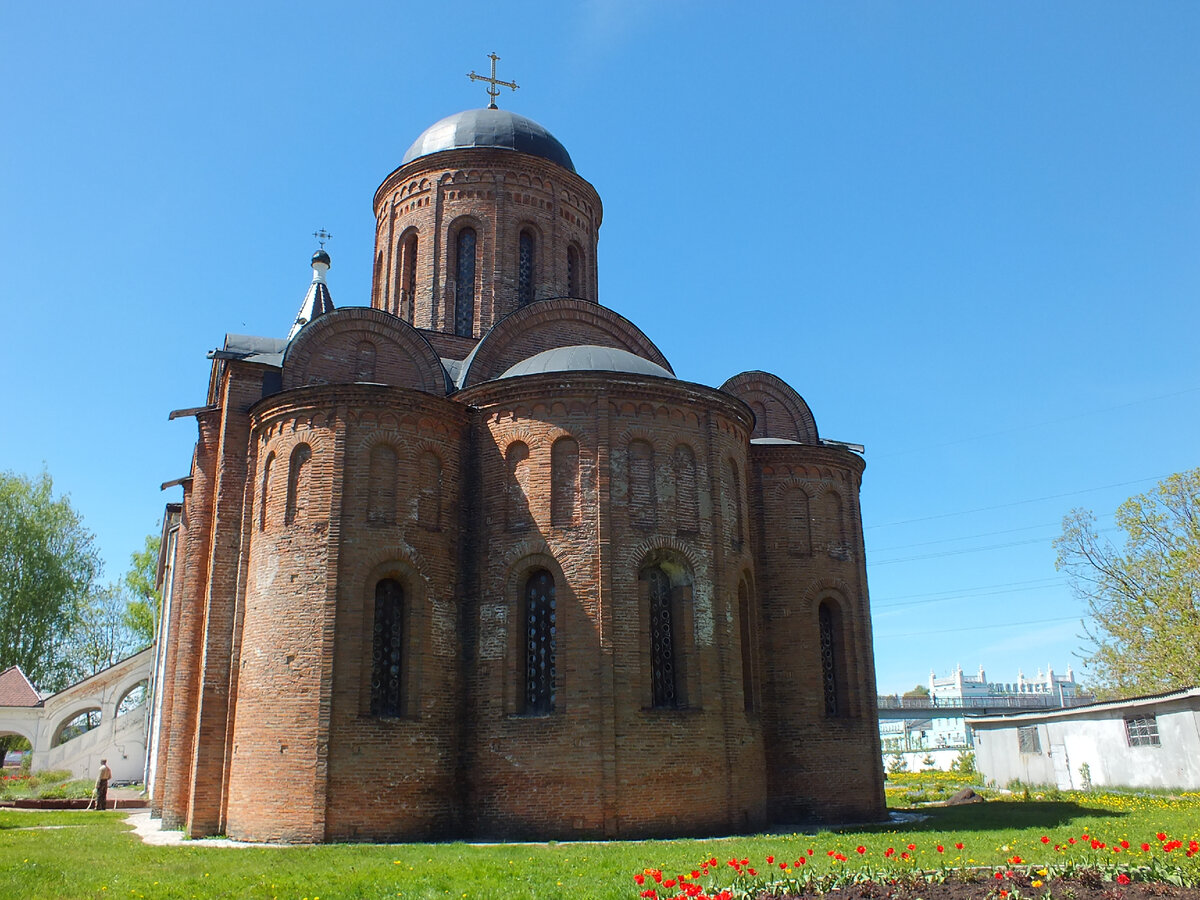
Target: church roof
{"x":586,"y":358}
{"x":318,"y":300}
{"x":490,"y":128}
{"x":15,"y":689}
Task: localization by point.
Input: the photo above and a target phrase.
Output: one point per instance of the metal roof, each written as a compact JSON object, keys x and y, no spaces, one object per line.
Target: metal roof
{"x":1085,"y":708}
{"x":489,"y":128}
{"x":586,"y":358}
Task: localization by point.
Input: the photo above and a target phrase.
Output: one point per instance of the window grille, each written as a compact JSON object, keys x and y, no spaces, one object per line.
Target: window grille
{"x":662,"y":641}
{"x":1142,"y":731}
{"x":540,"y":630}
{"x":525,"y":269}
{"x":829,"y":661}
{"x":573,"y":273}
{"x":1028,"y":740}
{"x":464,"y":287}
{"x":387,"y":650}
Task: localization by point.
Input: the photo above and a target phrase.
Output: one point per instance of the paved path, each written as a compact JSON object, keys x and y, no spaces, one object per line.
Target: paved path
{"x":151,"y":832}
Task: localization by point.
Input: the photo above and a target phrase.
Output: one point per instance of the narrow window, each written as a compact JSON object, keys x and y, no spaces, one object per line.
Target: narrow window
{"x":564,"y":479}
{"x":380,"y":275}
{"x":517,"y":514}
{"x":429,"y":504}
{"x":299,"y":474}
{"x":464,"y":287}
{"x":381,"y":484}
{"x":525,"y":269}
{"x":266,"y":491}
{"x":687,"y":505}
{"x":662,"y":641}
{"x":833,"y":524}
{"x":641,"y":484}
{"x":830,"y":664}
{"x":737,"y":529}
{"x":387,"y":651}
{"x":744,"y":626}
{"x":760,"y":419}
{"x":540,"y":632}
{"x":1028,"y":740}
{"x":574,"y":272}
{"x":364,"y":368}
{"x":1142,"y":731}
{"x":407,"y":277}
{"x":800,"y":533}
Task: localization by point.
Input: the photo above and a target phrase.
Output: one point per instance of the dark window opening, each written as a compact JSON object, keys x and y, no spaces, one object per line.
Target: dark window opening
{"x":387,"y":652}
{"x":663,"y":668}
{"x":525,"y":269}
{"x":829,"y":659}
{"x":464,"y":286}
{"x":573,"y":273}
{"x":540,"y":631}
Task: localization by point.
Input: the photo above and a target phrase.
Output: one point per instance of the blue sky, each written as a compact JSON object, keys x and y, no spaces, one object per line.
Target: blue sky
{"x":967,"y":233}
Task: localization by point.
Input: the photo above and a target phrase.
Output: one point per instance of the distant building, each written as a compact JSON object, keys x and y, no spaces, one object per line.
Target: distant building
{"x":1141,"y":742}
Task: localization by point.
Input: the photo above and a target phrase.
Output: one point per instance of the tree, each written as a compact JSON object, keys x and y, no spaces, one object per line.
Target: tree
{"x":1144,"y":598}
{"x":142,"y":610}
{"x":920,"y":691}
{"x":101,"y":636}
{"x":47,"y":568}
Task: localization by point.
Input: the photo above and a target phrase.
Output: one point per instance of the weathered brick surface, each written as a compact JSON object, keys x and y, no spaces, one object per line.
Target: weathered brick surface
{"x":369,"y":467}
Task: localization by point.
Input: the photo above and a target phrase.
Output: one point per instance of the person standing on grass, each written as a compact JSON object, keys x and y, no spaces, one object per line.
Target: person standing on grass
{"x":102,"y":779}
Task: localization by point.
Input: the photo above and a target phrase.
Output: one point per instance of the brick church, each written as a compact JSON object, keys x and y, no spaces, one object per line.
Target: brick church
{"x":471,"y":561}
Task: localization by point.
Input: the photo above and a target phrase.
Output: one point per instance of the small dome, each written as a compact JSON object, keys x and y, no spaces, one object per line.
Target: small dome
{"x":489,"y":128}
{"x":586,"y":358}
{"x":321,"y":257}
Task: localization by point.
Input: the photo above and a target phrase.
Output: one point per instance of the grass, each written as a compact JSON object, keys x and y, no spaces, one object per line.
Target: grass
{"x":52,"y":784}
{"x":94,"y":855}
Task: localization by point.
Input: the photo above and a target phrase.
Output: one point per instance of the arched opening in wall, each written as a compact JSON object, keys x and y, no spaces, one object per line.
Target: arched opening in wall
{"x":429,"y":501}
{"x":833,"y":525}
{"x":829,"y":631}
{"x":687,"y":501}
{"x":665,"y":591}
{"x":564,"y":483}
{"x":380,"y":276}
{"x":381,"y":484}
{"x":517,"y":515}
{"x":525,"y":267}
{"x":387,"y":650}
{"x":364,"y":361}
{"x":737,"y":526}
{"x":575,"y":271}
{"x":266,"y":491}
{"x":133,"y":698}
{"x":13,"y":748}
{"x":760,"y":419}
{"x":540,"y":633}
{"x":299,"y":483}
{"x":642,"y":501}
{"x":464,"y":282}
{"x":800,"y":515}
{"x":406,"y":277}
{"x":79,"y":724}
{"x":748,"y":637}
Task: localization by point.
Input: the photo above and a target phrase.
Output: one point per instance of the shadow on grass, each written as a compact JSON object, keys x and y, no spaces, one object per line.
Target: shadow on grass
{"x":999,"y":816}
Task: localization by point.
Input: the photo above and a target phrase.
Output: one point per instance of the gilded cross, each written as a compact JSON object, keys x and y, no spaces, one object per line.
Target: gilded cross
{"x":322,"y":235}
{"x":493,"y":90}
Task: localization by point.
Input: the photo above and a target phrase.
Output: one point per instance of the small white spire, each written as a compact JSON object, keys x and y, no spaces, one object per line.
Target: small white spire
{"x":318,"y":299}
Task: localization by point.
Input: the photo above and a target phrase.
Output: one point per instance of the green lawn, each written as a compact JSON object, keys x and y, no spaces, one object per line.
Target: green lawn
{"x":88,"y":854}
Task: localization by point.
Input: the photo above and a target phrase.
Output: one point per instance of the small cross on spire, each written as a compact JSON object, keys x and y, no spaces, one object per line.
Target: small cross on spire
{"x":493,"y":83}
{"x":322,"y":235}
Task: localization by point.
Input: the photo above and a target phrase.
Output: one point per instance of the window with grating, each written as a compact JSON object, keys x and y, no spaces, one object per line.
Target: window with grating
{"x":1028,"y":740}
{"x":574,"y":288}
{"x":829,"y":659}
{"x":387,"y":650}
{"x":1142,"y":731}
{"x":525,"y":269}
{"x":540,"y":631}
{"x":663,"y":667}
{"x":464,"y":285}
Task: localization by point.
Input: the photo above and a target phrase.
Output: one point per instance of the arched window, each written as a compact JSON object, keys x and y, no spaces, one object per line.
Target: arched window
{"x":429,"y":503}
{"x":517,"y":514}
{"x":574,"y":272}
{"x":800,"y":532}
{"x":564,"y":483}
{"x":745,"y":626}
{"x":760,"y":419}
{"x":539,"y":633}
{"x":387,"y":650}
{"x":687,"y":505}
{"x":829,"y":628}
{"x":736,"y":526}
{"x":525,"y":268}
{"x":833,"y":525}
{"x":364,"y":363}
{"x":299,"y":476}
{"x":380,"y":275}
{"x":407,"y":278}
{"x":464,"y":285}
{"x":642,"y":501}
{"x":381,"y":484}
{"x":266,"y":491}
{"x":664,"y":686}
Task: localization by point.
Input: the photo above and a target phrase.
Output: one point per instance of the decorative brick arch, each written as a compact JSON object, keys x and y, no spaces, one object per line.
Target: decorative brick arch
{"x":546,"y":324}
{"x":324,"y":352}
{"x":787,"y":415}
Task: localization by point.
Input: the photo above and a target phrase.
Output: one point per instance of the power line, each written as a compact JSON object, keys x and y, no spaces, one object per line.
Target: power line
{"x":1049,"y":582}
{"x":964,"y":537}
{"x":963,"y":512}
{"x":991,"y":627}
{"x":964,"y":592}
{"x":966,"y":550}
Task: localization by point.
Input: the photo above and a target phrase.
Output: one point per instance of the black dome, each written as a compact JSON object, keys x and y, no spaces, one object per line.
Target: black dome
{"x":490,"y":128}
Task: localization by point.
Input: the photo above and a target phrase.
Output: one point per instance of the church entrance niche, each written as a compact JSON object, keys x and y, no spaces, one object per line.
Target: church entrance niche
{"x":540,"y":630}
{"x":387,"y":651}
